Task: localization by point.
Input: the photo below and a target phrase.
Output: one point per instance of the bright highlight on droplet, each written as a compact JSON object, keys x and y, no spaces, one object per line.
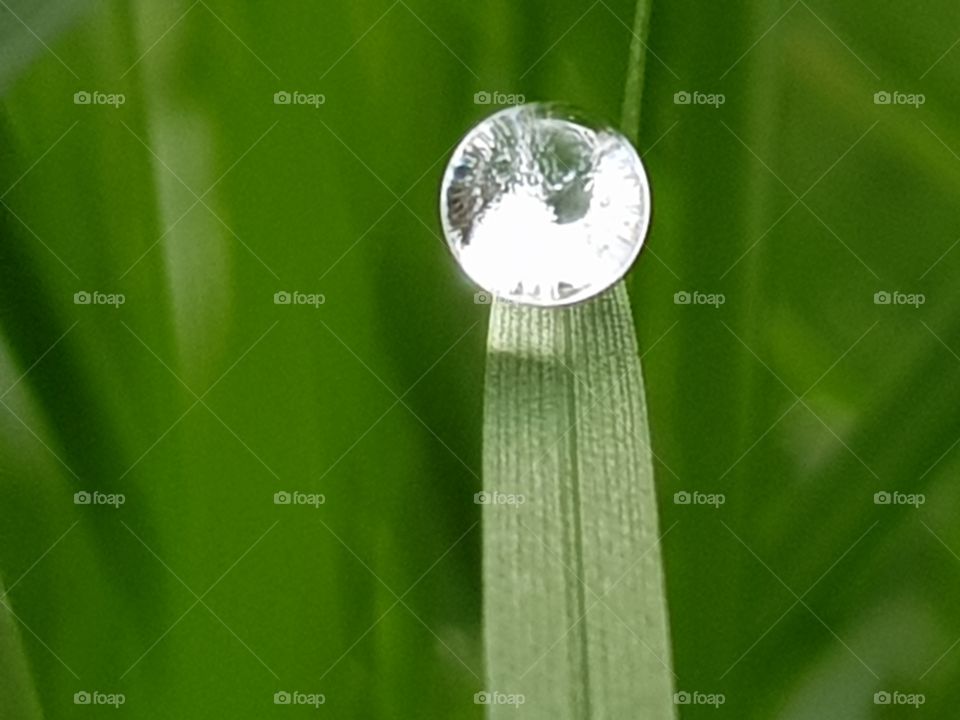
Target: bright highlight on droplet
{"x":543,"y":207}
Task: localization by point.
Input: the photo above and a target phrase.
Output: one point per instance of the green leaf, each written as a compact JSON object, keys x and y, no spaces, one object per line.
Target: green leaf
{"x":18,"y":696}
{"x":29,"y":29}
{"x":574,"y":603}
{"x":574,"y":600}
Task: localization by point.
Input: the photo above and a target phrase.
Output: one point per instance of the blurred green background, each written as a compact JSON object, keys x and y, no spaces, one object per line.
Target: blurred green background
{"x":199,"y":198}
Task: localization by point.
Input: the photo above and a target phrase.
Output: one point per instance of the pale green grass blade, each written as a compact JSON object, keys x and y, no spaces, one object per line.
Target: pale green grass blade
{"x":574,"y":600}
{"x":18,"y":696}
{"x":29,"y":29}
{"x":575,"y":608}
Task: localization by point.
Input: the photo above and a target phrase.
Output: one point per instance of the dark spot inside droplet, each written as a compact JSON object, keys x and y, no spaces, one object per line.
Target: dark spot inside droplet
{"x":572,"y":202}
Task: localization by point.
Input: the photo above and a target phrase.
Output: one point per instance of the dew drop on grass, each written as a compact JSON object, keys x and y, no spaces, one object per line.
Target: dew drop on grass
{"x":541,"y":206}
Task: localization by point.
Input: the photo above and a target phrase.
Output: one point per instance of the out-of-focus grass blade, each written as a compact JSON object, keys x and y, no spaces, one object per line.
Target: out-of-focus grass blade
{"x":27,"y":29}
{"x":18,"y":696}
{"x":574,"y":606}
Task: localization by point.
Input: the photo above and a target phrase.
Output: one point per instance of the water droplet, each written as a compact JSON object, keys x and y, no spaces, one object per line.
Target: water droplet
{"x":541,"y":206}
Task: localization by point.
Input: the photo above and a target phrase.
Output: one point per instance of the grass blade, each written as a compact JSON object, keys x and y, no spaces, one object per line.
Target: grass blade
{"x":27,"y":30}
{"x":575,"y":607}
{"x":575,"y":610}
{"x":18,"y":696}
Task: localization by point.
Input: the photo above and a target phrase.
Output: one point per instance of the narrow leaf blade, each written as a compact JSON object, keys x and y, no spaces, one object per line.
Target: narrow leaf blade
{"x":575,"y":608}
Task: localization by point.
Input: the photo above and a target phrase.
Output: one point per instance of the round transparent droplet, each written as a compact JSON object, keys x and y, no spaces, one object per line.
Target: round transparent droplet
{"x":542,"y":207}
